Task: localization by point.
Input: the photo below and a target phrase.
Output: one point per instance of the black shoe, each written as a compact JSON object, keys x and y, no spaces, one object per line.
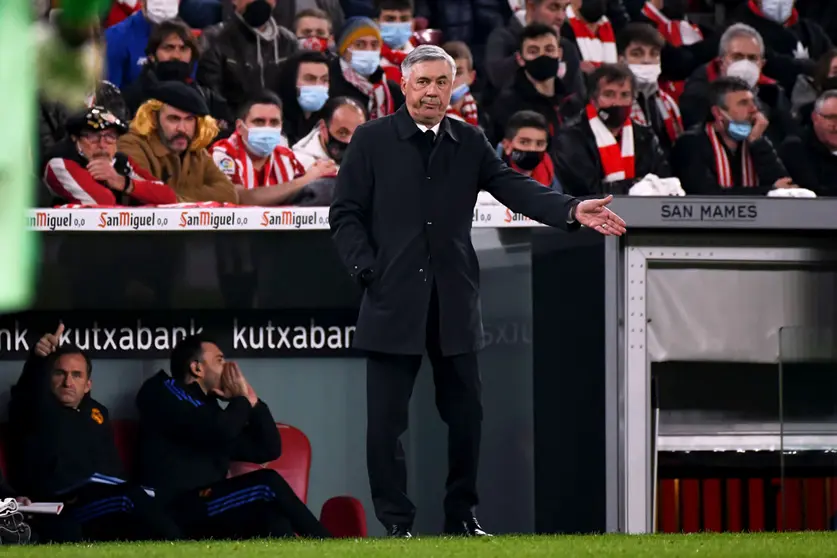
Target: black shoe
{"x":466,"y":528}
{"x":399,"y":532}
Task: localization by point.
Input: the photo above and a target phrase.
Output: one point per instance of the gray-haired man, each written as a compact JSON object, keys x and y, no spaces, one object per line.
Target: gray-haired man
{"x":401,"y":220}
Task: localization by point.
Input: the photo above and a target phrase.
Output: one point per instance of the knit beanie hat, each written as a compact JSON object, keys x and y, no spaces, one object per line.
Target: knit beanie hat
{"x":355,"y":28}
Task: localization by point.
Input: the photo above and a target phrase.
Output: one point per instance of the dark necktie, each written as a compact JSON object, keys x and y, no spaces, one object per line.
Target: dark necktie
{"x":427,"y":147}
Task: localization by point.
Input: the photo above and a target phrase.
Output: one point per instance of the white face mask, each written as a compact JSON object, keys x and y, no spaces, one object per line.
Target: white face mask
{"x":777,"y":10}
{"x":646,"y":74}
{"x":746,"y":70}
{"x":158,"y":11}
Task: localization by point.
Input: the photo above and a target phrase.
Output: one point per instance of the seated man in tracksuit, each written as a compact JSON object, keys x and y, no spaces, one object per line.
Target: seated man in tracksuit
{"x":187,"y":441}
{"x":61,"y":440}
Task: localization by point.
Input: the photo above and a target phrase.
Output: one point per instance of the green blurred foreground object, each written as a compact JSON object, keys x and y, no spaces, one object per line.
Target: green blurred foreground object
{"x":762,"y":545}
{"x":17,"y":151}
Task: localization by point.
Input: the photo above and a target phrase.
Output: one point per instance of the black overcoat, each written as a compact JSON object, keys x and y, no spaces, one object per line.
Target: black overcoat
{"x":411,"y":225}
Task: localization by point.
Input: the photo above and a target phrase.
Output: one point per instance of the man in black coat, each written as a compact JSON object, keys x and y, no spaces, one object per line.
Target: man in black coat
{"x":401,"y":220}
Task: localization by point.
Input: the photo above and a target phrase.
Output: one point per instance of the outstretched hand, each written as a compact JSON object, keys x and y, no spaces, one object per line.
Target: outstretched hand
{"x":594,"y":214}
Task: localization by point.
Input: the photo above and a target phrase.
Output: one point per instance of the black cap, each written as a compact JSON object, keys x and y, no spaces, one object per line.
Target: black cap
{"x":94,"y":119}
{"x":180,"y":96}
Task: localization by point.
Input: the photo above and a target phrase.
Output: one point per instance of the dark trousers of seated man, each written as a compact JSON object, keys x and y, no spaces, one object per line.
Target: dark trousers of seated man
{"x":254,"y":505}
{"x":103,"y":512}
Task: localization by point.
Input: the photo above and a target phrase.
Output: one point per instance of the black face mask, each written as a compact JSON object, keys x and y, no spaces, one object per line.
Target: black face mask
{"x":829,"y":84}
{"x":257,"y":13}
{"x":173,"y":70}
{"x":614,"y":116}
{"x":526,"y":160}
{"x":542,"y":67}
{"x":336,"y":148}
{"x":674,"y":9}
{"x":592,"y":10}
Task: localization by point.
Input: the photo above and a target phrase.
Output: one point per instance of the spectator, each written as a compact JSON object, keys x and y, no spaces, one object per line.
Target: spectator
{"x":254,"y":159}
{"x":330,"y":138}
{"x":639,"y":46}
{"x":524,"y":148}
{"x":85,"y":167}
{"x":243,"y":54}
{"x":463,"y":106}
{"x":108,"y":96}
{"x":793,"y":42}
{"x":125,"y":41}
{"x":685,"y":48}
{"x":395,"y":20}
{"x":741,"y":55}
{"x":537,"y":85}
{"x":313,"y":30}
{"x":731,"y":154}
{"x":285,"y":11}
{"x":188,"y":441}
{"x":809,"y":88}
{"x":812,"y":158}
{"x":61,"y":438}
{"x":304,"y":92}
{"x":52,"y":118}
{"x":169,"y":136}
{"x":501,"y":61}
{"x":603,"y":152}
{"x":173,"y":54}
{"x":591,"y":31}
{"x":121,"y":9}
{"x":358,"y":73}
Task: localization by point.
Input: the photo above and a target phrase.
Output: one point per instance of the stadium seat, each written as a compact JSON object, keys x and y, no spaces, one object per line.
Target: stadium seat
{"x":343,"y":516}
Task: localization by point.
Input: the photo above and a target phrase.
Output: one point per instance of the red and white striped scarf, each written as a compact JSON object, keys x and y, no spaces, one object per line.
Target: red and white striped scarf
{"x":468,"y":112}
{"x":617,"y":162}
{"x":599,"y":47}
{"x":231,"y":157}
{"x":669,"y":111}
{"x":676,"y":33}
{"x":391,"y":60}
{"x":722,"y":167}
{"x":380,"y":98}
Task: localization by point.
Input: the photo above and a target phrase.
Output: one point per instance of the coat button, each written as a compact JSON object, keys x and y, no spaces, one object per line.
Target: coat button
{"x":430,"y":222}
{"x":428,"y":178}
{"x":421,"y":270}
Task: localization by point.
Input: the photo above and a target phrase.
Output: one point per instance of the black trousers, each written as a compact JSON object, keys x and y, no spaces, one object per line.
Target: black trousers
{"x":103,"y":512}
{"x":258,"y":504}
{"x":389,"y":386}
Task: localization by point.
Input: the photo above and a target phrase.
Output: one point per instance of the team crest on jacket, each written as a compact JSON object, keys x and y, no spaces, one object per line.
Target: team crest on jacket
{"x":96,"y":415}
{"x":205,"y":492}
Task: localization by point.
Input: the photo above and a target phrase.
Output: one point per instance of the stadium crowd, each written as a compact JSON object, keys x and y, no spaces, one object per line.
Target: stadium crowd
{"x":257,"y":102}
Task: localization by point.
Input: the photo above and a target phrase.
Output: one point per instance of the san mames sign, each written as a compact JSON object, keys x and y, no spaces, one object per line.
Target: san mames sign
{"x":712,"y":211}
{"x":243,"y":334}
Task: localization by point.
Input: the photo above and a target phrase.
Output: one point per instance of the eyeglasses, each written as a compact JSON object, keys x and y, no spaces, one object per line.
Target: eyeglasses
{"x":106,"y":137}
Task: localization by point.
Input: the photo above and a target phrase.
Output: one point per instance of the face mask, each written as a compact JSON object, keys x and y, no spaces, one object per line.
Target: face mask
{"x":396,"y":34}
{"x":592,"y":10}
{"x":646,"y":74}
{"x":365,"y":62}
{"x":173,"y":70}
{"x":318,"y":44}
{"x":614,"y":116}
{"x":263,"y":140}
{"x":746,"y":70}
{"x":312,"y":97}
{"x":257,"y":13}
{"x":526,"y":160}
{"x":336,"y":148}
{"x":542,"y":68}
{"x":738,"y":131}
{"x":457,"y":94}
{"x":158,"y":11}
{"x":674,"y":9}
{"x":777,"y":10}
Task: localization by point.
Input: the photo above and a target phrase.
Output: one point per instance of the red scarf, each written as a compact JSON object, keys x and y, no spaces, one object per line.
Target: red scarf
{"x":673,"y":32}
{"x":713,"y":71}
{"x":617,"y":162}
{"x":544,"y":173}
{"x":468,"y":112}
{"x":668,"y":110}
{"x":599,"y":47}
{"x":722,"y":168}
{"x":380,"y":98}
{"x":391,"y":61}
{"x":792,"y":20}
